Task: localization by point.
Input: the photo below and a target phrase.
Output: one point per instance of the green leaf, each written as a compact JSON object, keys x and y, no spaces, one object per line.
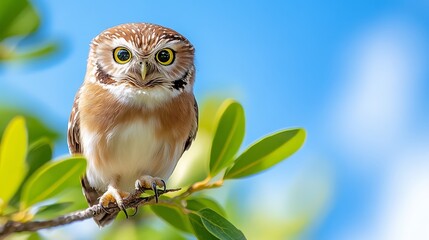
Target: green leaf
{"x":39,"y":153}
{"x":34,"y":236}
{"x":13,"y":150}
{"x":41,"y":51}
{"x":153,"y":232}
{"x":51,"y":179}
{"x":17,"y":18}
{"x":173,"y":215}
{"x":36,"y":128}
{"x":73,"y":195}
{"x":6,"y":53}
{"x":267,"y":152}
{"x":228,"y":136}
{"x":199,"y":203}
{"x":24,"y":236}
{"x":209,"y":108}
{"x":200,"y":230}
{"x":52,"y":210}
{"x":219,"y":226}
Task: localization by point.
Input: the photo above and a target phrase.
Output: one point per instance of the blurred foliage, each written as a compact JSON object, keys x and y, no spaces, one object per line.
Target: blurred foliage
{"x":38,"y":188}
{"x":19,"y":20}
{"x":36,"y":128}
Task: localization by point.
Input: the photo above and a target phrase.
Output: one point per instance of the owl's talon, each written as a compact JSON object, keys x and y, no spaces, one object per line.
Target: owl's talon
{"x":148,"y":182}
{"x":155,"y":190}
{"x":113,"y":195}
{"x":165,"y":185}
{"x":104,"y":209}
{"x":136,"y":210}
{"x":123,"y":209}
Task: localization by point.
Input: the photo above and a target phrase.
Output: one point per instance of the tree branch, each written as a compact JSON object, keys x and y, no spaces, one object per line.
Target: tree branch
{"x":133,"y":201}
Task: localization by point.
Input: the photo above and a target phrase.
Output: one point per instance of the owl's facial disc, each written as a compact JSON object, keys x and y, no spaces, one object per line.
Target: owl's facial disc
{"x":165,"y":67}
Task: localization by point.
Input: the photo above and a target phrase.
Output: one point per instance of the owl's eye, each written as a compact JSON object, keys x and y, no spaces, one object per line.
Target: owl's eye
{"x":165,"y":56}
{"x":121,"y":55}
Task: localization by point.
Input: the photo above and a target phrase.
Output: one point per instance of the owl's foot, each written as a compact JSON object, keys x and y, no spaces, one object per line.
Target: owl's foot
{"x":114,"y":195}
{"x":149,"y":182}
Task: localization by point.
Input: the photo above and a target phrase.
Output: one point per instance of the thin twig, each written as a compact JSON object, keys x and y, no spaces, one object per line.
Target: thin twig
{"x":199,"y":186}
{"x":133,"y":201}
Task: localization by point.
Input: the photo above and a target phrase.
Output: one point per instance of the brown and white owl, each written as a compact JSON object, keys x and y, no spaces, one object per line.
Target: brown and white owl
{"x":135,"y":113}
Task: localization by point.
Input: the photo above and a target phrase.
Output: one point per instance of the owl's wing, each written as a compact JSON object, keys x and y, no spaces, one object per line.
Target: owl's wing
{"x":73,"y":133}
{"x":194,"y":130}
{"x":75,"y":147}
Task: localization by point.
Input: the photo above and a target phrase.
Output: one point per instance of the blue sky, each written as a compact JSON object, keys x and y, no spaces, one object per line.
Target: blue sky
{"x":353,"y":74}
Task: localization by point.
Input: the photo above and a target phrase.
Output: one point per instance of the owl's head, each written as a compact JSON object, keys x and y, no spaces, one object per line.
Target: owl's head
{"x":141,"y":61}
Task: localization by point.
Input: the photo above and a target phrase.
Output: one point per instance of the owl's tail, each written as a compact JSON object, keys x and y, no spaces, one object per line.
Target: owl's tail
{"x":92,"y":196}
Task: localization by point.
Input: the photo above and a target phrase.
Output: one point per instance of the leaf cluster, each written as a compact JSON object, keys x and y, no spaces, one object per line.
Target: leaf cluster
{"x":35,"y":187}
{"x":19,"y":20}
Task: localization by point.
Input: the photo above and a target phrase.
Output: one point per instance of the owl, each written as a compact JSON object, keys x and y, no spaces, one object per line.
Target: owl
{"x":135,"y":113}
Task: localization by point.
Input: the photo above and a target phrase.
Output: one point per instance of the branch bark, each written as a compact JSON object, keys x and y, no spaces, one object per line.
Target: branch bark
{"x":133,"y":201}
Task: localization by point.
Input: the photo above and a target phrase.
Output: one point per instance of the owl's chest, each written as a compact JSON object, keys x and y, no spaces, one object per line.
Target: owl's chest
{"x":134,"y":143}
{"x":127,"y":135}
{"x":130,"y":150}
{"x":104,"y":113}
{"x":122,"y":141}
{"x":133,"y":135}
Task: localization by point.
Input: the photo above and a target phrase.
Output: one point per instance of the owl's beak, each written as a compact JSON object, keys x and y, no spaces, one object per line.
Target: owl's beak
{"x":143,"y":70}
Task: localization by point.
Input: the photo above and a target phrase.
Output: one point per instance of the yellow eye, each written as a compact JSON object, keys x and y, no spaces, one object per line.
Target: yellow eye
{"x":121,"y":55}
{"x":165,"y":56}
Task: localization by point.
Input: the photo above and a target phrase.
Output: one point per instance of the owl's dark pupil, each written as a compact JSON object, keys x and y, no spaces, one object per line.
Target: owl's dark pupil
{"x":163,"y":56}
{"x":123,"y":55}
